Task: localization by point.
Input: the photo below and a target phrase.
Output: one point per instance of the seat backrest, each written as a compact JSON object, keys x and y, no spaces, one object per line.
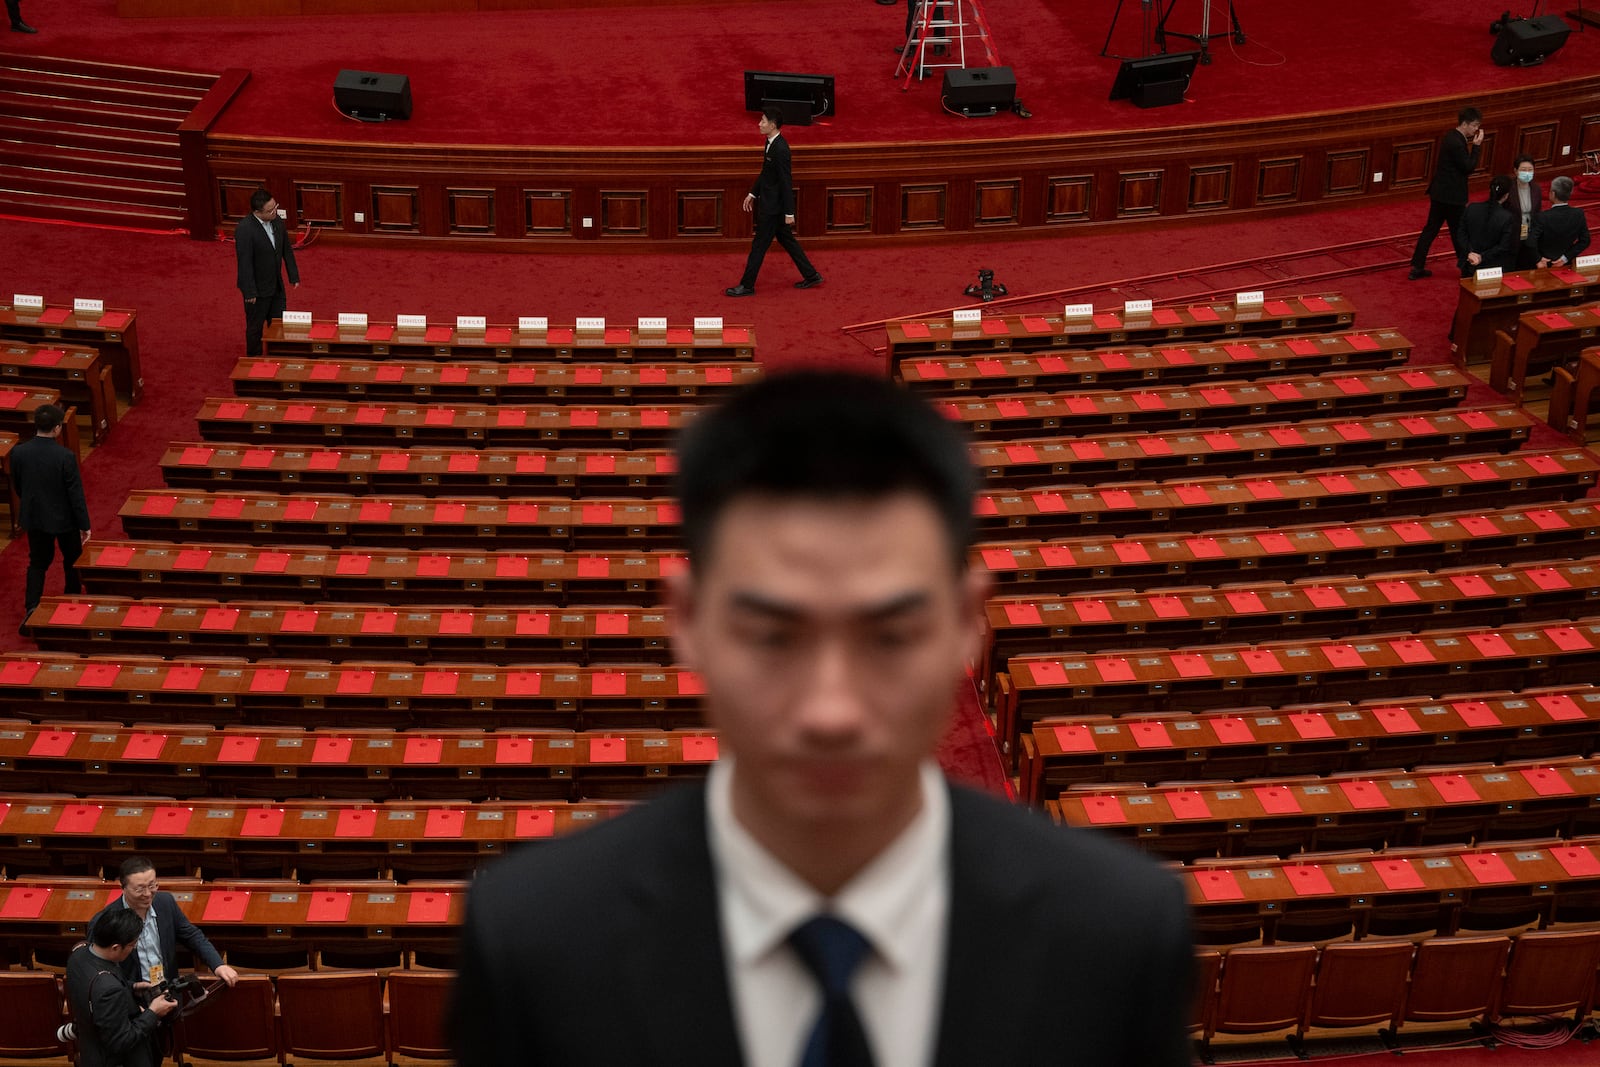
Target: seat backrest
{"x":1360,"y":983}
{"x":1455,"y":977}
{"x":336,"y":1016}
{"x":418,"y":1002}
{"x":233,"y":1024}
{"x":30,"y":1011}
{"x":1263,"y":989}
{"x":1207,"y":966}
{"x":1550,"y":972}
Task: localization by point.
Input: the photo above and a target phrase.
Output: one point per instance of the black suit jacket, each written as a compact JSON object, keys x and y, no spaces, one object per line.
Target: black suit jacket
{"x":172,"y":927}
{"x":1457,"y":160}
{"x":1557,"y":232}
{"x":1490,"y":230}
{"x":774,"y":186}
{"x":261,"y":265}
{"x":45,"y":475}
{"x":605,"y":948}
{"x":114,"y":1029}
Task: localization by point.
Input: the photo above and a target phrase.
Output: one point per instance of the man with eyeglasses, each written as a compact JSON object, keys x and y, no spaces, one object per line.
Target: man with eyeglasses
{"x":165,"y":926}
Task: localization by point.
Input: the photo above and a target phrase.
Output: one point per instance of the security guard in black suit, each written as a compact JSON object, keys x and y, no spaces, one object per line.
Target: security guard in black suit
{"x":53,"y":511}
{"x":771,"y":199}
{"x":261,"y":241}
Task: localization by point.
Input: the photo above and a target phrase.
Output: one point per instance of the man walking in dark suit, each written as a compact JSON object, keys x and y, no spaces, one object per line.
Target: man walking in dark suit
{"x":1447,"y":193}
{"x":261,"y":242}
{"x":771,"y":199}
{"x":825,"y":897}
{"x":53,"y":511}
{"x":1559,"y":234}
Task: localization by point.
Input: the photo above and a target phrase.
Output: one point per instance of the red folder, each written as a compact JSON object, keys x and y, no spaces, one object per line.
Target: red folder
{"x":261,"y":822}
{"x":1307,"y":880}
{"x":1398,"y":874}
{"x":356,"y":822}
{"x":169,"y":820}
{"x":1101,"y":810}
{"x":25,"y":902}
{"x":1189,"y":804}
{"x":1074,"y":738}
{"x":540,"y":822}
{"x":1488,"y":868}
{"x":327,"y":907}
{"x":429,"y":907}
{"x":699,"y":749}
{"x":608,"y":750}
{"x":225,"y":906}
{"x":1218,"y":885}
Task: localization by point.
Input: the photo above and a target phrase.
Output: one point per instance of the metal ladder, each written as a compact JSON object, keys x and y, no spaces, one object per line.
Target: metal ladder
{"x":945,"y":27}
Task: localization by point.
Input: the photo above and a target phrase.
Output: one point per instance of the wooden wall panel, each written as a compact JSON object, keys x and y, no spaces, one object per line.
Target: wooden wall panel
{"x":233,"y":199}
{"x":547,"y":212}
{"x":396,"y":209}
{"x":624,"y":214}
{"x":319,"y":203}
{"x":1211,"y":187}
{"x":471,"y":210}
{"x":700,"y":212}
{"x":849,"y":210}
{"x":1347,"y":173}
{"x":1588,"y":139}
{"x":1139,"y":194}
{"x":996,"y":203}
{"x":923,"y":207}
{"x":1278,"y":180}
{"x":1069,"y":199}
{"x":1411,"y":165}
{"x":1540,"y":141}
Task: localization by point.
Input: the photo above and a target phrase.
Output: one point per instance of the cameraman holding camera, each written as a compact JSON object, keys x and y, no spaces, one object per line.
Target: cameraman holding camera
{"x":111,"y":1029}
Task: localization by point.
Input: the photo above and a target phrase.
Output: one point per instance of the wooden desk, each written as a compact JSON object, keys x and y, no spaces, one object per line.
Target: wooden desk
{"x":51,"y":686}
{"x":1123,"y":368}
{"x":419,"y":469}
{"x":1376,"y":734}
{"x":1483,"y":309}
{"x":1542,"y":338}
{"x":421,"y":422}
{"x":492,"y":383}
{"x":78,"y":374}
{"x":197,"y":762}
{"x":1276,"y":673}
{"x":268,"y":518}
{"x":1222,"y":404}
{"x":562,"y":342}
{"x":1296,"y":446}
{"x":1257,"y":818}
{"x":8,"y":441}
{"x":256,"y":629}
{"x":16,"y":414}
{"x":1357,"y":492}
{"x":1572,"y":399}
{"x":1032,"y":333}
{"x":1477,"y":596}
{"x":387,"y":575}
{"x":114,"y":333}
{"x":1081,"y":564}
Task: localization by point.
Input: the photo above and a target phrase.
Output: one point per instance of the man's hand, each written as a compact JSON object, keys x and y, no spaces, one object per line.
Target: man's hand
{"x":249,"y":300}
{"x":227,"y":974}
{"x":162,"y":1005}
{"x":294,"y":285}
{"x":83,"y":537}
{"x":1474,"y":258}
{"x":749,"y":202}
{"x":788,"y":220}
{"x":1477,"y":138}
{"x":1543,"y":263}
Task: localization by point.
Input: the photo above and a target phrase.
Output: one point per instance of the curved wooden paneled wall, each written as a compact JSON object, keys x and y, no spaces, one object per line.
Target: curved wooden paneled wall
{"x":476,"y":196}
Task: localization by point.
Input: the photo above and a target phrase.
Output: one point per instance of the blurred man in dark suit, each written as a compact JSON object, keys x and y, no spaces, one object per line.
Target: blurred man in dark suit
{"x":111,"y":1026}
{"x":1447,"y":193}
{"x":1559,"y":233}
{"x":53,"y":511}
{"x":261,"y":242}
{"x":771,"y":199}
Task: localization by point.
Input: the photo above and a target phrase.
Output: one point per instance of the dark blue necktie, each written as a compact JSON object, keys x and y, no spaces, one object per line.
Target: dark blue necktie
{"x":832,"y":950}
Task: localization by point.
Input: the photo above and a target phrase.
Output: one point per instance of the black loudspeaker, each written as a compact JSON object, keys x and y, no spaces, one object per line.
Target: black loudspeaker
{"x":1155,"y":81}
{"x":1524,"y":42}
{"x":980,"y":90}
{"x":366,"y":95}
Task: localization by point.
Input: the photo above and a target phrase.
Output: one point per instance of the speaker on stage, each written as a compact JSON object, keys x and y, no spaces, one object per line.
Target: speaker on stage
{"x":977,"y":91}
{"x":1155,"y":81}
{"x":373,"y":97}
{"x":1524,"y":42}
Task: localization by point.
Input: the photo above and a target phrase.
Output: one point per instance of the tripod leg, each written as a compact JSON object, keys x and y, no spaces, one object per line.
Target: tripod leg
{"x":1105,"y":49}
{"x":1238,"y":30}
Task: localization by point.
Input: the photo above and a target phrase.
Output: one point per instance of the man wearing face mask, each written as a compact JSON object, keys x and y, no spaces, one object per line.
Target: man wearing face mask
{"x":1527,"y":199}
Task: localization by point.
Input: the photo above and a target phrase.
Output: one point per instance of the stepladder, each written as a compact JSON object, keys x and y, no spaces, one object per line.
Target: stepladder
{"x":946,"y":34}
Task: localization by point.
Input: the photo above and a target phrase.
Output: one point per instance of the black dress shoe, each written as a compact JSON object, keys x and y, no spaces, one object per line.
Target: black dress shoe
{"x":22,"y":27}
{"x":899,"y":49}
{"x":806,"y":283}
{"x":1419,"y":272}
{"x":740,"y":290}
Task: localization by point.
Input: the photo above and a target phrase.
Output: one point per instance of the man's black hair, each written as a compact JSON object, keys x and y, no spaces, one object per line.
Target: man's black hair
{"x":1468,"y":114}
{"x":1500,"y":187}
{"x":1520,"y":160}
{"x":774,"y":115}
{"x":258,"y":199}
{"x":47,"y":417}
{"x":131,"y":866}
{"x":118,"y":926}
{"x":828,"y":436}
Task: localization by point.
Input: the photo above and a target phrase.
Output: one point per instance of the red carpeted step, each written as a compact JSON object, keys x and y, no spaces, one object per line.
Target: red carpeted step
{"x":166,"y":196}
{"x":198,"y":83}
{"x":112,"y":116}
{"x":49,"y":83}
{"x":72,"y":136}
{"x":87,"y":209}
{"x":88,"y":161}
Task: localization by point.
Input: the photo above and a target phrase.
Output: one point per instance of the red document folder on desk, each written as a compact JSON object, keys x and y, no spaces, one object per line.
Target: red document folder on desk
{"x":328,"y":908}
{"x":445,"y":822}
{"x":25,"y":902}
{"x":1101,"y":810}
{"x":428,"y":908}
{"x":226,"y":906}
{"x":1218,"y":885}
{"x":261,"y":822}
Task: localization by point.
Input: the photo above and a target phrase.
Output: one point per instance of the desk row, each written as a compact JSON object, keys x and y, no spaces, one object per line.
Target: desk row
{"x":53,"y":686}
{"x":166,"y":626}
{"x":1032,"y":333}
{"x":1219,"y":404}
{"x":387,"y":575}
{"x":1351,"y":493}
{"x":1332,"y":606}
{"x":1572,"y":397}
{"x":1474,"y":803}
{"x":491,"y":341}
{"x":494,"y":383}
{"x":1540,"y":340}
{"x":82,"y":375}
{"x":198,"y":761}
{"x":113,"y":333}
{"x":1278,"y":673}
{"x":1377,"y":734}
{"x":1071,"y":565}
{"x":423,"y":422}
{"x":17,"y":407}
{"x":268,"y":518}
{"x":1483,"y":308}
{"x":1121,"y":368}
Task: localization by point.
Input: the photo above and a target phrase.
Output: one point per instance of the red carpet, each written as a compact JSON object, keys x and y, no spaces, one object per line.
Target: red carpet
{"x":671,"y":74}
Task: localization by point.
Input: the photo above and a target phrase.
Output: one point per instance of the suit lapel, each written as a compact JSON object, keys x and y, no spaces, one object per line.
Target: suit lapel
{"x":677,"y":969}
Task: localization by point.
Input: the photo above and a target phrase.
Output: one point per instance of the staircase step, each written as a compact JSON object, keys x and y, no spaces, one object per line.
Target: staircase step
{"x":78,"y":209}
{"x":111,"y":116}
{"x":89,"y":68}
{"x":70,"y":135}
{"x":163,"y":195}
{"x":109,"y":164}
{"x":72,"y":88}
